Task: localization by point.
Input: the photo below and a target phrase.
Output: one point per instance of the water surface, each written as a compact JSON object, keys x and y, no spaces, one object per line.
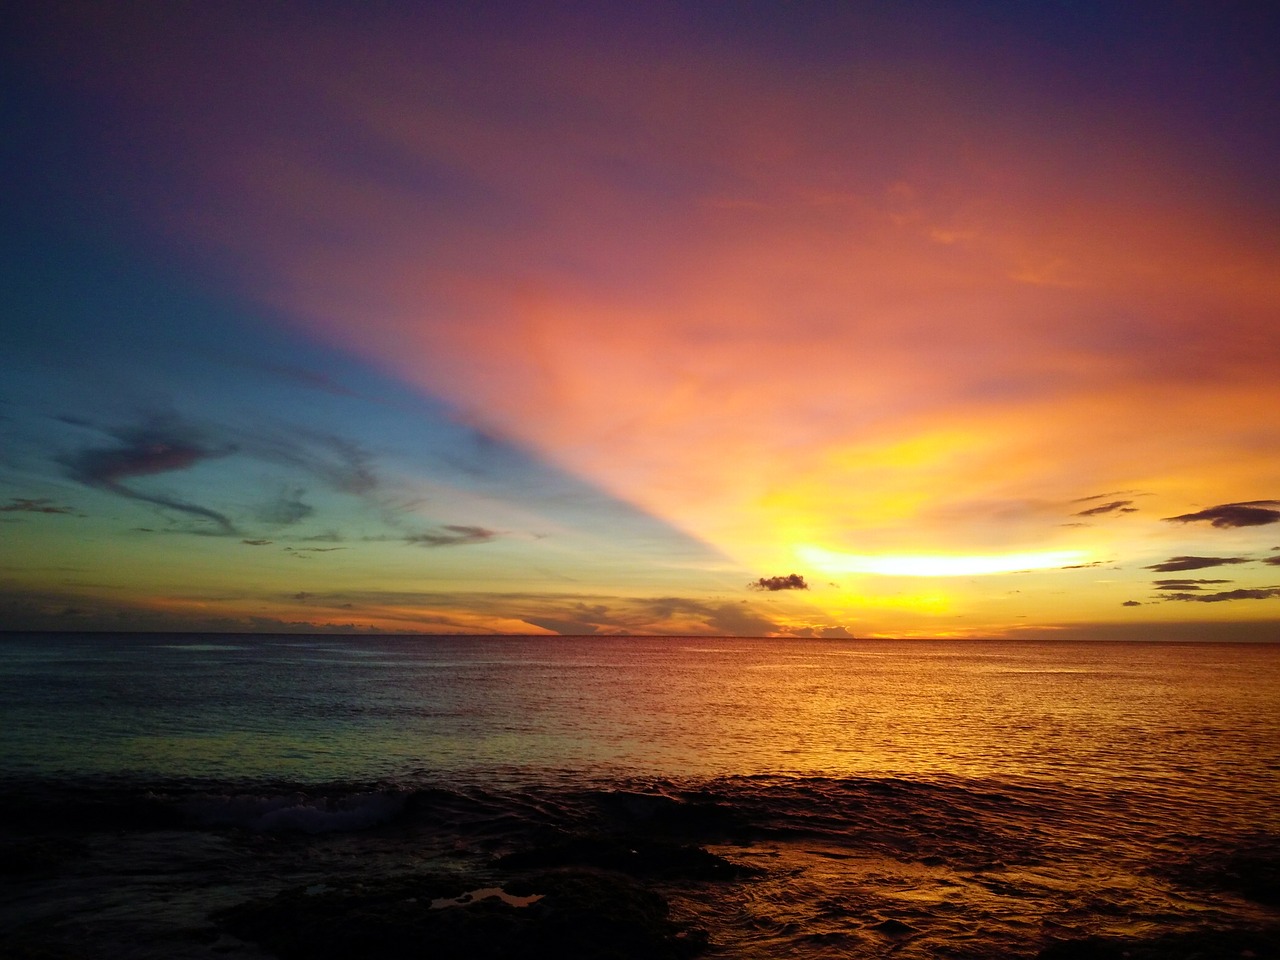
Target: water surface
{"x":919,"y":798}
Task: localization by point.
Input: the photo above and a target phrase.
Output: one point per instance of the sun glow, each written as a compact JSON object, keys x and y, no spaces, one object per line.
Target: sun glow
{"x":926,"y":565}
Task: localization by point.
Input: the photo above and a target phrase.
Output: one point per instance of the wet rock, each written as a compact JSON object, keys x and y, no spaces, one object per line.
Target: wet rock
{"x":580,"y":914}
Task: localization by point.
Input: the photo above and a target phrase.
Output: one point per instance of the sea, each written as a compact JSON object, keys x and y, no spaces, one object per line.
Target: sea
{"x":253,"y":796}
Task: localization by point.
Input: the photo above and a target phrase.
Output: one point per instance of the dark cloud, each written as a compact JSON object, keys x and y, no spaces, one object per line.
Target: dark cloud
{"x":1115,"y":506}
{"x":1274,"y":561}
{"x":1184,"y":584}
{"x":792,"y":581}
{"x":1131,"y":603}
{"x":1175,"y":564}
{"x":1251,"y":513}
{"x":41,"y":505}
{"x":451,"y":535}
{"x":1085,"y":566}
{"x":257,"y":543}
{"x":1265,"y":593}
{"x":146,"y":452}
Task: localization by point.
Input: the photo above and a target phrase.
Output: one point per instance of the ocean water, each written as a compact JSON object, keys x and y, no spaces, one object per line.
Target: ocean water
{"x":184,"y":796}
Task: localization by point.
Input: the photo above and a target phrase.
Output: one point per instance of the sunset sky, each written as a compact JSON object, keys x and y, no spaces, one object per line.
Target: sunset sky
{"x":611,"y":318}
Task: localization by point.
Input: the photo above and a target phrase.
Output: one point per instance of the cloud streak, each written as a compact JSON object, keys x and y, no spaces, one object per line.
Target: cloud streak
{"x":40,"y":505}
{"x":1264,"y":593}
{"x":1115,"y":506}
{"x":452,"y":535}
{"x":1251,"y":513}
{"x":143,"y":453}
{"x":1177,"y":564}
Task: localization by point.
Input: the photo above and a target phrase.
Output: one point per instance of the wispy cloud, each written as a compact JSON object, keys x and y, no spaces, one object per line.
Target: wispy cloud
{"x":1264,"y":593}
{"x":334,"y":460}
{"x":1115,"y":506}
{"x":147,"y":451}
{"x":40,"y":505}
{"x":286,"y":508}
{"x":166,"y":444}
{"x":1251,"y":513}
{"x":451,"y":535}
{"x":1185,"y":584}
{"x":1176,"y":564}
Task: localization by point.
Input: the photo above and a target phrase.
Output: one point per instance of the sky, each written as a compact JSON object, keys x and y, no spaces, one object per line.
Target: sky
{"x":813,"y":319}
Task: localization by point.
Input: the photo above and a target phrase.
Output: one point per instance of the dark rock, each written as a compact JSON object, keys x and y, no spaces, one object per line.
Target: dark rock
{"x":581,"y":914}
{"x":695,"y":815}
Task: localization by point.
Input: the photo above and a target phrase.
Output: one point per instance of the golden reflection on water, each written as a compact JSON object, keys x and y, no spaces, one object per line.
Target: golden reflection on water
{"x":1188,"y":718}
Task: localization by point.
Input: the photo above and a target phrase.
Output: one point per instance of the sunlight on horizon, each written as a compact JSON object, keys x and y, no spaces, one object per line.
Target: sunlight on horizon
{"x":925,"y":565}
